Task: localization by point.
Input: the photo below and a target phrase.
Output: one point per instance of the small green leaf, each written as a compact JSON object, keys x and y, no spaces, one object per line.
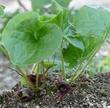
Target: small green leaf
{"x":48,"y":64}
{"x":29,"y":40}
{"x":75,"y":42}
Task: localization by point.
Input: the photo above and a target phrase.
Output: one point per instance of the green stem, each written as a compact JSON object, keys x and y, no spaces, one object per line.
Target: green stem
{"x":16,"y":71}
{"x":25,"y":75}
{"x":62,"y":67}
{"x":37,"y":76}
{"x":4,"y":51}
{"x":29,"y":84}
{"x":62,"y":63}
{"x":81,"y":69}
{"x":43,"y":70}
{"x":20,"y":70}
{"x":33,"y":68}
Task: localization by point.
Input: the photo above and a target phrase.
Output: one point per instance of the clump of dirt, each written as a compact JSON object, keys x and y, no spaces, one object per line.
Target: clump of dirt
{"x":85,"y":93}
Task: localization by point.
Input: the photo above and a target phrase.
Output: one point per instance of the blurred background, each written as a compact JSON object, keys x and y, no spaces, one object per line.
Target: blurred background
{"x":8,"y":77}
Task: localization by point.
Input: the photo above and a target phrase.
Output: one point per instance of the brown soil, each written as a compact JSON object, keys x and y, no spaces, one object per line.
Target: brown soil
{"x":85,"y":93}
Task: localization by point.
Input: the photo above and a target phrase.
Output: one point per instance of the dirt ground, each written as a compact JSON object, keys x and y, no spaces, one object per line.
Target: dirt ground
{"x":86,"y":93}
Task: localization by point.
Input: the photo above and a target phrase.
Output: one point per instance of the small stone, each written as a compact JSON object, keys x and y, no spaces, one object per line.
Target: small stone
{"x":37,"y":106}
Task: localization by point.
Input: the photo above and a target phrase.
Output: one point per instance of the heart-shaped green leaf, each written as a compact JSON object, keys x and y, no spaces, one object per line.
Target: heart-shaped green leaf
{"x":28,"y":40}
{"x":91,"y":21}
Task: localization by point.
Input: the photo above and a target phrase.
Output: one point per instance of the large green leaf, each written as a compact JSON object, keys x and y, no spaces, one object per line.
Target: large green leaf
{"x":91,"y":21}
{"x":90,"y":26}
{"x":29,"y":40}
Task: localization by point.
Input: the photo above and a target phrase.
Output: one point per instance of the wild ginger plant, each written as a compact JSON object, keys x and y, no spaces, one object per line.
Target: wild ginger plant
{"x":33,"y":37}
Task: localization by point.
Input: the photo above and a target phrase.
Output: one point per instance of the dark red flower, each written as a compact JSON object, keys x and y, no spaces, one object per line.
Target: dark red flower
{"x":63,"y":88}
{"x":32,"y":79}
